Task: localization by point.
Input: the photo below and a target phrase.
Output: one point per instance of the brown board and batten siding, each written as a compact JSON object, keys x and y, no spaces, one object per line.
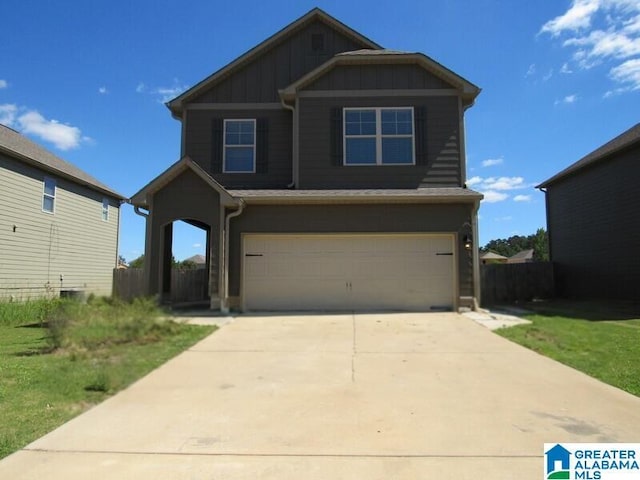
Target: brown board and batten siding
{"x":38,"y":247}
{"x":202,"y":138}
{"x":365,"y":77}
{"x":592,"y":218}
{"x":380,"y":219}
{"x":187,"y":197}
{"x":441,"y":166}
{"x":283,"y":64}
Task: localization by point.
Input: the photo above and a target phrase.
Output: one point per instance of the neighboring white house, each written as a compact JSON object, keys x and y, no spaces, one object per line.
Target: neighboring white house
{"x":58,"y":225}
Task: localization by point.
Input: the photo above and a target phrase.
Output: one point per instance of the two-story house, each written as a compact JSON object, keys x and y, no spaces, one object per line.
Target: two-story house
{"x":593,"y":238}
{"x":58,"y":225}
{"x":328,"y":173}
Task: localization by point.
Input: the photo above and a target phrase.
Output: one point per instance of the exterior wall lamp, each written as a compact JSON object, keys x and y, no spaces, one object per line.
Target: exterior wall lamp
{"x":467,"y":241}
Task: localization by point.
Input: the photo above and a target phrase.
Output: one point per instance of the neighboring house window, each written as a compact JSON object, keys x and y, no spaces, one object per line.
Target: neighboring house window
{"x":49,"y":195}
{"x":239,"y":146}
{"x":378,"y":136}
{"x":105,"y":209}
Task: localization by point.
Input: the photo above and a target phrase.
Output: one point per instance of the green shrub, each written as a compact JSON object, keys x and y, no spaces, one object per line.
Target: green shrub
{"x":30,"y":312}
{"x":104,"y":321}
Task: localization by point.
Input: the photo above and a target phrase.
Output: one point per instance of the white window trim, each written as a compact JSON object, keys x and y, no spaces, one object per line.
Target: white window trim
{"x":46,"y":195}
{"x":105,"y":209}
{"x":378,"y":136}
{"x":225,"y":146}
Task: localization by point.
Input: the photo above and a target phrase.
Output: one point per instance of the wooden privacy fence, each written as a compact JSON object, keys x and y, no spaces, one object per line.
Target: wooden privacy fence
{"x":186,"y":285}
{"x":128,"y":283}
{"x":511,"y":282}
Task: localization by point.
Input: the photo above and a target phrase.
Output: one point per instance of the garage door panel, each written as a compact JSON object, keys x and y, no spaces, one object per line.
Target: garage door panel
{"x":344,"y":272}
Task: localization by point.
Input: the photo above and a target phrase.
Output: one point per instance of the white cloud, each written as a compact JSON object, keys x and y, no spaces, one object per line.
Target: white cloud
{"x":507,"y":218}
{"x":577,"y":17}
{"x":491,"y":196}
{"x":492,"y":162}
{"x":164,"y":94}
{"x":103,"y":90}
{"x":628,"y":74}
{"x":504,"y":183}
{"x":606,"y":44}
{"x":169,"y":93}
{"x":531,"y":70}
{"x":3,"y":83}
{"x":474,"y":181}
{"x":494,"y":188}
{"x":565,"y":68}
{"x":522,"y":198}
{"x":64,"y":137}
{"x":569,"y":99}
{"x":8,"y":114}
{"x":197,"y":245}
{"x":602,"y":31}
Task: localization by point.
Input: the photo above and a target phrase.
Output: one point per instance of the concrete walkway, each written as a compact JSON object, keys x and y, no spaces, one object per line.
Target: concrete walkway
{"x":388,"y":396}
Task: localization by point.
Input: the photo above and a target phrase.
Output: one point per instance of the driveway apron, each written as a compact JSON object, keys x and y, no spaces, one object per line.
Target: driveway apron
{"x":351,"y":396}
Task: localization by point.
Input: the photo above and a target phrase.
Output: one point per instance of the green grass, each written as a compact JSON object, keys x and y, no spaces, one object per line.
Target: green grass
{"x":57,"y":359}
{"x":603,"y":345}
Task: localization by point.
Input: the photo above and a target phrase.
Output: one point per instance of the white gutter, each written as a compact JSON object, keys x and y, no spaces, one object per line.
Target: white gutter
{"x":224,"y":299}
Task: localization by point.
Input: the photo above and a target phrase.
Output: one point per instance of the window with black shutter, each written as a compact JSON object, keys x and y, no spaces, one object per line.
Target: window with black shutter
{"x":421,"y":135}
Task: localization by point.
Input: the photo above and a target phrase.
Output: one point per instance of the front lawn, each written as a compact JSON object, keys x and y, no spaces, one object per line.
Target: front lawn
{"x":57,"y":359}
{"x":599,"y":341}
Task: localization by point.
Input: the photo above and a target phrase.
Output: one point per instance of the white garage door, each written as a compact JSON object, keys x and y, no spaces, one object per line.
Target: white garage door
{"x":348,"y":272}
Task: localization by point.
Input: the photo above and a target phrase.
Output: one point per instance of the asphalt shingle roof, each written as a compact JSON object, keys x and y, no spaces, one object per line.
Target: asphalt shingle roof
{"x":21,"y":148}
{"x":622,"y":141}
{"x":419,"y":194}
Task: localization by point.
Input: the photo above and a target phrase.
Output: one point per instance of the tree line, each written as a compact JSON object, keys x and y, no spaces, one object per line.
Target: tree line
{"x":139,"y":263}
{"x":507,"y":247}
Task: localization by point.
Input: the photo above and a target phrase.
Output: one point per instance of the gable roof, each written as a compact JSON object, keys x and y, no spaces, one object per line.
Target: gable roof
{"x":489,"y":255}
{"x":622,"y":141}
{"x":140,"y":199}
{"x":522,"y":255}
{"x":197,"y":259}
{"x":468,"y":90}
{"x":19,"y":147}
{"x":177,"y":103}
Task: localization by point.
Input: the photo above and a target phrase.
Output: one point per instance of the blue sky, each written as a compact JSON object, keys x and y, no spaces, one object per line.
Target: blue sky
{"x":88,"y":79}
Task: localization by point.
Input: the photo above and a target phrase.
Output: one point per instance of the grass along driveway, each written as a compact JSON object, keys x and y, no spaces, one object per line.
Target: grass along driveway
{"x":587,"y":338}
{"x":58,"y":360}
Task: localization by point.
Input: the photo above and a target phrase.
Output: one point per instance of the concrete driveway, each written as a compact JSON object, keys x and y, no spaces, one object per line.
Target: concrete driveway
{"x":385,"y":396}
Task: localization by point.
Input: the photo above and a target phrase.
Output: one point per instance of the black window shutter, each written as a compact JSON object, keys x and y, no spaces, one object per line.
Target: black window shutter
{"x":262,"y":147}
{"x":420,"y":125}
{"x":217,"y":144}
{"x":336,"y":137}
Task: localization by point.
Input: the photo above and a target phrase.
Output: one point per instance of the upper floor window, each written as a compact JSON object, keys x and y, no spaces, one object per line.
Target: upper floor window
{"x":105,"y":209}
{"x":239,"y":146}
{"x":378,"y":136}
{"x":49,"y":195}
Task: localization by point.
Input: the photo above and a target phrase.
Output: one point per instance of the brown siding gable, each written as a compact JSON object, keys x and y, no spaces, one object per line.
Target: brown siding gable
{"x":177,"y":104}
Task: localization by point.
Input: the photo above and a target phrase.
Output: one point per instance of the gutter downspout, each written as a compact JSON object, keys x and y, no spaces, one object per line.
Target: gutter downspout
{"x":476,"y":259}
{"x":138,"y":212}
{"x":224,"y":301}
{"x":147,"y":247}
{"x":294,"y":142}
